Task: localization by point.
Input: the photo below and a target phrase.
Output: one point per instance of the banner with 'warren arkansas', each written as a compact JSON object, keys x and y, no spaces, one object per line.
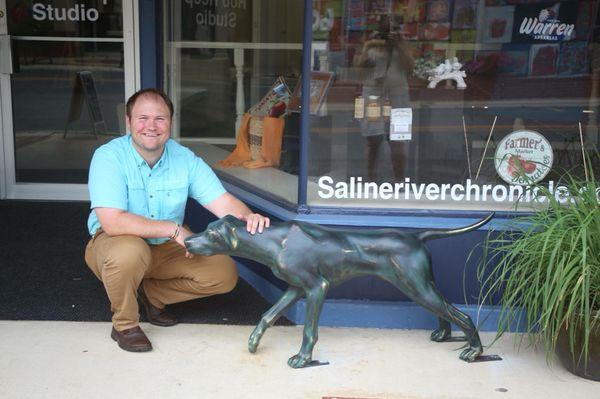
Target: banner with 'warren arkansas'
{"x":544,"y":22}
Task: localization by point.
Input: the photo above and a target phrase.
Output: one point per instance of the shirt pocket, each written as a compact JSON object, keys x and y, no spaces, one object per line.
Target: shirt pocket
{"x":136,"y":199}
{"x":174,"y":196}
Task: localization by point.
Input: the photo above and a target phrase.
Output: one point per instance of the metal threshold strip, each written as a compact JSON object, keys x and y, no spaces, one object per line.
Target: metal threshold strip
{"x":236,"y":45}
{"x":69,"y":39}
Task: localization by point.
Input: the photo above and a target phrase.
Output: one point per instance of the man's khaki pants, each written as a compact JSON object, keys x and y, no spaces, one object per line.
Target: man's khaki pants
{"x":122,"y":263}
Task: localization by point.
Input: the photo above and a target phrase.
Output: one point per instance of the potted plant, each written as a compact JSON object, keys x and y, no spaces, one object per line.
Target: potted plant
{"x":548,"y":267}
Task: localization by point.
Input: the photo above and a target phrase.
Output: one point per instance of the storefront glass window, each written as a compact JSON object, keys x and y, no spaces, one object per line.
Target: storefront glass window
{"x":433,"y":104}
{"x":67,"y":85}
{"x":222,"y":58}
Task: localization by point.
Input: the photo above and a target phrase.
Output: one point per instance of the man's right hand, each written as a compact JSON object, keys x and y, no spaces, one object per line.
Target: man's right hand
{"x":180,"y":239}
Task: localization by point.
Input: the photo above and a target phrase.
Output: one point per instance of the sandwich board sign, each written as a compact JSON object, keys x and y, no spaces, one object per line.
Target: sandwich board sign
{"x":84,"y":91}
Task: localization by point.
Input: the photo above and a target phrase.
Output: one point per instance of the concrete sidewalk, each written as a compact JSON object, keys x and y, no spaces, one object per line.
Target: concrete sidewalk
{"x":79,"y":360}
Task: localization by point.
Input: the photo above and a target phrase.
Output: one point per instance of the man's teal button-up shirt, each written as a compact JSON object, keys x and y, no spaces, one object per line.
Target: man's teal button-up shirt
{"x":120,"y":178}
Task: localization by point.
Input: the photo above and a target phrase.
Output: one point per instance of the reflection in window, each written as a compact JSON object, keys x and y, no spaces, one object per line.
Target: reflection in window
{"x":57,"y":122}
{"x":222,"y":59}
{"x":67,"y":85}
{"x":397,"y":124}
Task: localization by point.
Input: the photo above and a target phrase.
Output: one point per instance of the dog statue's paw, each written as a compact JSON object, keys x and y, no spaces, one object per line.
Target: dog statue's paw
{"x":441,"y":335}
{"x":299,"y":361}
{"x":255,"y":337}
{"x":470,"y":354}
{"x":253,"y":342}
{"x":252,"y":346}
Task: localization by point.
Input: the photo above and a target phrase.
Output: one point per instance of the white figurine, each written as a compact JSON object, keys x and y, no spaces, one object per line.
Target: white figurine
{"x":447,"y":71}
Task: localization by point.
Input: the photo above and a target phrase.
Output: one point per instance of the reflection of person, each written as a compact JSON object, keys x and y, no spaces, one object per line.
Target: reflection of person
{"x":139,"y":185}
{"x":386,"y":59}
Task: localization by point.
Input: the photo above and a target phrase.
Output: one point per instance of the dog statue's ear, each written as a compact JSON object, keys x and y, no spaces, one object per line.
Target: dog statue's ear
{"x":232,"y":222}
{"x":228,"y":224}
{"x":229,"y":219}
{"x":214,"y":224}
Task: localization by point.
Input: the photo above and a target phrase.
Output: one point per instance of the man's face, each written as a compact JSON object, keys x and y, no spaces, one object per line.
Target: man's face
{"x":150,"y":126}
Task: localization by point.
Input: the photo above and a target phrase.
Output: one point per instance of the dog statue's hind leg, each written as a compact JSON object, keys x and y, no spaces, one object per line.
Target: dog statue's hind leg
{"x":421,"y":289}
{"x":465,"y":323}
{"x":432,"y":300}
{"x":315,"y":296}
{"x":443,"y":332}
{"x":290,"y":296}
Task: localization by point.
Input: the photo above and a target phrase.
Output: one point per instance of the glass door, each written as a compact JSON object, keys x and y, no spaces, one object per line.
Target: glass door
{"x":67,"y":68}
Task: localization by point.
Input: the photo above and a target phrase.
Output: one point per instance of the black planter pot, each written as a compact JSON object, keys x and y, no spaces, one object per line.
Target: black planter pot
{"x":573,"y":363}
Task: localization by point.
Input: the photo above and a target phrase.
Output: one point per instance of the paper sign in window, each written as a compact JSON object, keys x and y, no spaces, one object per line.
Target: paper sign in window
{"x":401,"y":124}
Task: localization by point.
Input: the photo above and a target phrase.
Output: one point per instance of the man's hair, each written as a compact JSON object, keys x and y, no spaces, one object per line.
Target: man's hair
{"x":151,"y":92}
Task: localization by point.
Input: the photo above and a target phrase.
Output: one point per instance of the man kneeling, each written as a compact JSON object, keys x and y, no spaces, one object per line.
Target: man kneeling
{"x":139,"y":185}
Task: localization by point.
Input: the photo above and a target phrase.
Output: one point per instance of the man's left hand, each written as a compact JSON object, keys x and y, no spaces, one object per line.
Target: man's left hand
{"x":255,"y":222}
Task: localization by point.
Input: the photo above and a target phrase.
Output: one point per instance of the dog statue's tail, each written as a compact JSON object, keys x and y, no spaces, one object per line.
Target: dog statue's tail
{"x":433,"y":234}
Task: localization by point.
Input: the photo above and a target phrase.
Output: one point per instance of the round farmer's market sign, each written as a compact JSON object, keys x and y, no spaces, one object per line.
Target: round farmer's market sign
{"x":523,"y":156}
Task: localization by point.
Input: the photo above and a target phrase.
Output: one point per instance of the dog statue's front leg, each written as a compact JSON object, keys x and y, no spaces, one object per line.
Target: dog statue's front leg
{"x":314,"y":304}
{"x":269,"y":318}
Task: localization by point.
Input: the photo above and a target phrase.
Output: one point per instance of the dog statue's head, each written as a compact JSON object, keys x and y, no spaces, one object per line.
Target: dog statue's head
{"x":220,"y":237}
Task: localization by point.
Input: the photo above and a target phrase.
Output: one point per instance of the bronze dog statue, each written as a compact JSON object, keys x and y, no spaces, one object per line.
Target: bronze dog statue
{"x":311,"y":257}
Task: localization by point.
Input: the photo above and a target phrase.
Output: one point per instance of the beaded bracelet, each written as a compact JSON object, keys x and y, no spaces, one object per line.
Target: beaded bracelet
{"x":176,"y":232}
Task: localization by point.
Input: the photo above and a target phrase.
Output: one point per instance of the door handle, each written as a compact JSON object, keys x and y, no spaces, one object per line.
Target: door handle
{"x":6,"y":60}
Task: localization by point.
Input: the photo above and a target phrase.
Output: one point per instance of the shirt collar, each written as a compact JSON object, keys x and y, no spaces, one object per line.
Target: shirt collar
{"x":139,"y":161}
{"x":162,"y":161}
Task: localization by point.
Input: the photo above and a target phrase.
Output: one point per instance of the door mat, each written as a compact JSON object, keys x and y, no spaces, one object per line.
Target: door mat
{"x":44,"y":275}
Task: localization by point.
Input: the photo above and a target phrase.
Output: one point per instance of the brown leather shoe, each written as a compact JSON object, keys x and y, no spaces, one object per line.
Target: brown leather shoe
{"x":132,"y":339}
{"x":156,"y":316}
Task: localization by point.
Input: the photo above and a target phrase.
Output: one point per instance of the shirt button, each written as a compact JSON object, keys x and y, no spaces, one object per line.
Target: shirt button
{"x":151,"y":216}
{"x":152,"y":196}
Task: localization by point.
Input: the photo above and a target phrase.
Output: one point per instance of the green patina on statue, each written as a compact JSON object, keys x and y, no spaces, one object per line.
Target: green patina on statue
{"x":311,"y":258}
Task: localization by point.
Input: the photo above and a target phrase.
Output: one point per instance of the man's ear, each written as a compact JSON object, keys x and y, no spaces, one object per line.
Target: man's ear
{"x":127,"y":124}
